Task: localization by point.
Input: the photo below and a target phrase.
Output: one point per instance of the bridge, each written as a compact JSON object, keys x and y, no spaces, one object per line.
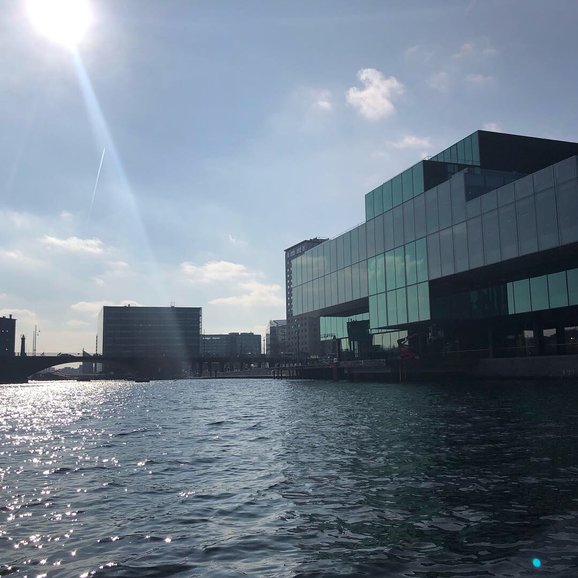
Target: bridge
{"x":17,"y":369}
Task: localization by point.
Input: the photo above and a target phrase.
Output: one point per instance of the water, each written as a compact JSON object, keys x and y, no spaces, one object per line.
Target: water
{"x":288,"y":478}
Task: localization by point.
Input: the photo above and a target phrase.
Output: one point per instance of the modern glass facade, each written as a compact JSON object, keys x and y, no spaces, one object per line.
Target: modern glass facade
{"x":453,"y":237}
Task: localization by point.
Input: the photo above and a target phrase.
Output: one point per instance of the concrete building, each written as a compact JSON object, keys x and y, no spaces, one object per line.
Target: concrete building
{"x":472,"y":250}
{"x":7,"y":336}
{"x":150,"y":332}
{"x":231,"y":344}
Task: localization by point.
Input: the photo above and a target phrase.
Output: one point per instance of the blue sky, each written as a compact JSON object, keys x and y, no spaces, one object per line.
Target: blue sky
{"x":234,"y":129}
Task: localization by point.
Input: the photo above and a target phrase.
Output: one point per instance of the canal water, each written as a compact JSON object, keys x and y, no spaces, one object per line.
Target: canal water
{"x":288,"y":478}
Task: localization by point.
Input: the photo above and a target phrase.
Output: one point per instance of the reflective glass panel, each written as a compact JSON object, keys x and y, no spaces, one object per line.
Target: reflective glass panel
{"x":444,"y":205}
{"x":461,"y":247}
{"x":508,"y":232}
{"x":398,"y":226}
{"x":341,"y":286}
{"x":539,"y":293}
{"x":380,"y":272}
{"x":572,"y":275}
{"x":371,"y":276}
{"x":387,"y":196}
{"x":475,"y":243}
{"x":431,"y":210}
{"x":407,"y":185}
{"x":423,"y":299}
{"x":567,"y":194}
{"x":458,"y":199}
{"x":348,"y":284}
{"x":421,"y":260}
{"x":447,"y":252}
{"x":362,"y":242}
{"x":399,"y":266}
{"x":557,"y":290}
{"x":401,"y":306}
{"x":378,"y":201}
{"x":379,"y":232}
{"x":396,"y":190}
{"x":369,"y":211}
{"x":419,"y":216}
{"x":412,"y":304}
{"x":390,"y":270}
{"x":511,"y":307}
{"x":340,"y":255}
{"x":546,"y":219}
{"x":522,"y":295}
{"x":363,"y":278}
{"x":370,"y":228}
{"x":433,"y":256}
{"x":391,"y":308}
{"x":354,"y":246}
{"x":418,"y":179}
{"x":381,"y":310}
{"x":347,"y":249}
{"x":408,"y":222}
{"x":491,"y":234}
{"x":410,"y":264}
{"x":526,"y":218}
{"x":373,"y":317}
{"x":388,"y":230}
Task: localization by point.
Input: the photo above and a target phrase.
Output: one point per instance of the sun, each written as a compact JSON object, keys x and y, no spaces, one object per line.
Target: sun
{"x":62,"y":21}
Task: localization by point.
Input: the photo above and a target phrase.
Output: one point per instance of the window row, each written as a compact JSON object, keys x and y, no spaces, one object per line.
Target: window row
{"x":544,"y":292}
{"x":345,"y":285}
{"x":466,"y":151}
{"x":397,"y":268}
{"x":331,"y":327}
{"x":400,"y":306}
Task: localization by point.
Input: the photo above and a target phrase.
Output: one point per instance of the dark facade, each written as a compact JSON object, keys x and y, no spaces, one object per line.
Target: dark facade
{"x":231,"y":344}
{"x":474,"y":249}
{"x":7,"y":336}
{"x":151,"y":332}
{"x":276,"y":338}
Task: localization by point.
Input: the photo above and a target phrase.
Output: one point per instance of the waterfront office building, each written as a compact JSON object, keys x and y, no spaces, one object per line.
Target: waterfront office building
{"x":230,"y":344}
{"x":150,"y":332}
{"x":474,"y":249}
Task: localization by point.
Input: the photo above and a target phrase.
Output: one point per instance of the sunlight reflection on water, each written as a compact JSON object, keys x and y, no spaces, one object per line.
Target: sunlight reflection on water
{"x":280,"y":478}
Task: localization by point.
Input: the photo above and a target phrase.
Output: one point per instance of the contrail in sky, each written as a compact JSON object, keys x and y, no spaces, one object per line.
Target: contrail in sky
{"x":96,"y":183}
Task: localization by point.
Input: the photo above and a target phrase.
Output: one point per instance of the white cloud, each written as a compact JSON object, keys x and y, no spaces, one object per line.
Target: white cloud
{"x":77,"y":323}
{"x":92,"y":308}
{"x":375,"y":100}
{"x":440,"y":81}
{"x":255,"y":294}
{"x":466,"y":49}
{"x":411,"y":141}
{"x":214,"y":271}
{"x":236,"y":242}
{"x":19,"y":314}
{"x":478,"y":79}
{"x":492,"y":126}
{"x":66,"y":215}
{"x":323,"y":100}
{"x":75,"y":244}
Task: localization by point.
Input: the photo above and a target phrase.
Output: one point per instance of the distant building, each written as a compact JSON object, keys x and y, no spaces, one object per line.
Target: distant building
{"x":230,"y":344}
{"x":303,"y":333}
{"x":7,"y":336}
{"x":151,"y":332}
{"x":276,"y":338}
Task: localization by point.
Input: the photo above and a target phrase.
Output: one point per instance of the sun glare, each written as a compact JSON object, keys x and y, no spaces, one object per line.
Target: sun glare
{"x":62,"y":21}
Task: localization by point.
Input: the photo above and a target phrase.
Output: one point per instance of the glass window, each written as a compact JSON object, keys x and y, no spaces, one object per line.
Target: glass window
{"x":476,"y":148}
{"x":372,"y":276}
{"x":396,"y":190}
{"x":508,"y":235}
{"x":340,"y":255}
{"x":407,"y":185}
{"x":566,"y":170}
{"x":399,"y":267}
{"x":380,"y":272}
{"x":557,"y":290}
{"x":489,"y":201}
{"x":378,"y":201}
{"x":398,"y":226}
{"x":333,"y":249}
{"x":458,"y":195}
{"x":388,"y":230}
{"x":433,"y":256}
{"x":546,"y":219}
{"x":421,"y":260}
{"x":334,"y":288}
{"x":387,"y":196}
{"x":526,"y":218}
{"x":539,"y":293}
{"x":391,"y":308}
{"x":461,"y":247}
{"x":373,"y":317}
{"x":370,"y":228}
{"x":362,"y":230}
{"x":474,"y":208}
{"x":431,"y":210}
{"x":369,"y":210}
{"x":511,"y":308}
{"x":401,"y":305}
{"x":444,"y":205}
{"x":408,"y":222}
{"x":522,"y":295}
{"x":355,"y":281}
{"x":363,"y":278}
{"x":341,"y":286}
{"x":461,"y":152}
{"x":543,"y":179}
{"x":347,"y":249}
{"x":348,"y":284}
{"x":524,"y":187}
{"x":423,"y":299}
{"x":410,"y":264}
{"x":327,"y":283}
{"x":381,"y":310}
{"x":419,"y":216}
{"x":379,"y":240}
{"x":568,"y":211}
{"x":447,"y":252}
{"x":572,"y":286}
{"x":390,"y":270}
{"x":354,"y":246}
{"x":418,"y":179}
{"x":468,"y":150}
{"x":412,"y":304}
{"x":491,"y":234}
{"x":506,"y":194}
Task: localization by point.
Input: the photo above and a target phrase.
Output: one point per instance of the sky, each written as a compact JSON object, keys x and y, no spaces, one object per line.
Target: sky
{"x":174,"y":153}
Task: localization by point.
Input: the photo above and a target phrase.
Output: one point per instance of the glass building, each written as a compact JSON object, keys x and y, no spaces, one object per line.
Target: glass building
{"x":472,"y":250}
